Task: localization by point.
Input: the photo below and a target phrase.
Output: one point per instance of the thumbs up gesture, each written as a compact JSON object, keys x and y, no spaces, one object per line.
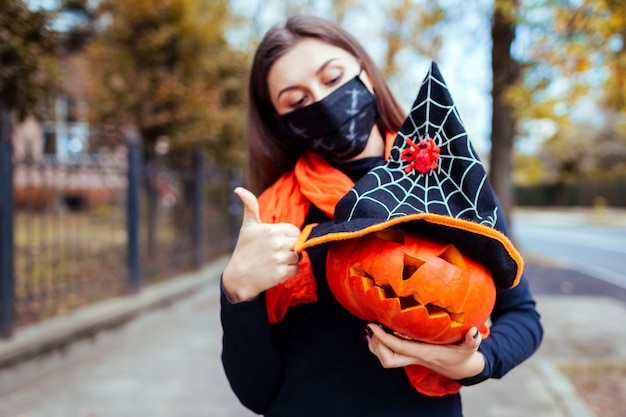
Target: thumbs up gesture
{"x":263,"y":256}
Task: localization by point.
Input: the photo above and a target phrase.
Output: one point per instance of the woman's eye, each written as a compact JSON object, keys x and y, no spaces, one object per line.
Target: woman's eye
{"x":298,"y":103}
{"x":334,"y":79}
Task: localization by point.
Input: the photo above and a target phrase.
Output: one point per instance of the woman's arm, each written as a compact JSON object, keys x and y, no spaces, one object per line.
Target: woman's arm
{"x":251,"y":361}
{"x":516,"y":333}
{"x":262,"y":258}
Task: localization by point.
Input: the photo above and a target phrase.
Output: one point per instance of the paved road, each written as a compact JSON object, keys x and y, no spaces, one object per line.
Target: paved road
{"x":594,"y":244}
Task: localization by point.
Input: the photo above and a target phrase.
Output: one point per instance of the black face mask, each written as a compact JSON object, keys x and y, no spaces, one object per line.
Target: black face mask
{"x":338,"y":126}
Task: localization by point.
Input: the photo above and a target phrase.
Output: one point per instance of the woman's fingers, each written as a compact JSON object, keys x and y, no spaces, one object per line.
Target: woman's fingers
{"x":263,"y":256}
{"x":455,"y":360}
{"x":251,"y":214}
{"x":388,"y":348}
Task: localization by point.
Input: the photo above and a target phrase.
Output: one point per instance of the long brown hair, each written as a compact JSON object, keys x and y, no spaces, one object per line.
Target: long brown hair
{"x":268,"y":156}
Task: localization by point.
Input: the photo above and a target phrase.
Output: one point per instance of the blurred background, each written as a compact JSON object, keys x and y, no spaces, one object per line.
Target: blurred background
{"x":121,"y":130}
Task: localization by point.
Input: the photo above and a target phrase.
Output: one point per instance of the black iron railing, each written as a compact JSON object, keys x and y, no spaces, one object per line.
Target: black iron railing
{"x":85,"y":229}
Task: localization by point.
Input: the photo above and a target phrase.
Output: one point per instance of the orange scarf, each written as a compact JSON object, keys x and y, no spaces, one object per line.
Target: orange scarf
{"x":288,"y":200}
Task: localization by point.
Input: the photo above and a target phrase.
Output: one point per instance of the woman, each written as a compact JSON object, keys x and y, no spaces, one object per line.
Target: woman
{"x":304,"y":355}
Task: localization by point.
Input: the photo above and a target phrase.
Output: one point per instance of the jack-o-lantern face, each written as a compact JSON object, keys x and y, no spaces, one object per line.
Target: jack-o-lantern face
{"x":420,"y":287}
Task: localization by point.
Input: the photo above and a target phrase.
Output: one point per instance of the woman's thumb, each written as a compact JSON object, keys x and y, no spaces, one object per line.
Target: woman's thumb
{"x":250,"y":206}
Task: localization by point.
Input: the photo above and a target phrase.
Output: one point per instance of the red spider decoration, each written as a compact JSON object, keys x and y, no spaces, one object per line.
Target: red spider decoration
{"x":423,"y":156}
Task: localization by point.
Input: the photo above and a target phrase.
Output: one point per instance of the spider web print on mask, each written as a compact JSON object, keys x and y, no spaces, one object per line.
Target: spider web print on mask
{"x":455,"y":185}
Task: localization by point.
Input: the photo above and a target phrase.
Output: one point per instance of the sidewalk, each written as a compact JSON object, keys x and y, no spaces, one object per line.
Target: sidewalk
{"x":158,"y":354}
{"x":579,"y":330}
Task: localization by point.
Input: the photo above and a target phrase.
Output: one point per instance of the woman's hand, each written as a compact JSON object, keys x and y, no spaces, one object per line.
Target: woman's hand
{"x":263,"y":256}
{"x":455,"y":361}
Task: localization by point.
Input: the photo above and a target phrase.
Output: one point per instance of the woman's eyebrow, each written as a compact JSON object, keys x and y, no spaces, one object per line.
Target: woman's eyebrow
{"x":324,"y":65}
{"x":317,"y":73}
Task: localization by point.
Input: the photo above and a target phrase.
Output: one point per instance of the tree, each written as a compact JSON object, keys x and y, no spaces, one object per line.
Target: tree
{"x":73,"y":23}
{"x":167,"y":68}
{"x":574,"y":66}
{"x":410,"y":27}
{"x":601,"y":26}
{"x":505,"y":72}
{"x":26,"y":47}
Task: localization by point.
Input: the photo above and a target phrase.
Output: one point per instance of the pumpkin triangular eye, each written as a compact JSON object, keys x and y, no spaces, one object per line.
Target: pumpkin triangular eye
{"x":358,"y":270}
{"x":452,"y":255}
{"x":411,"y":264}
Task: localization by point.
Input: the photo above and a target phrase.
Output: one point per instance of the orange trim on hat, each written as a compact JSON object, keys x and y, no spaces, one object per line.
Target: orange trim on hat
{"x":302,"y":243}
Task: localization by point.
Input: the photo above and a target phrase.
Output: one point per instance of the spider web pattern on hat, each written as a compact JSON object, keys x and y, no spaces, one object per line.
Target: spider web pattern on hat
{"x":433,"y":182}
{"x":457,"y":187}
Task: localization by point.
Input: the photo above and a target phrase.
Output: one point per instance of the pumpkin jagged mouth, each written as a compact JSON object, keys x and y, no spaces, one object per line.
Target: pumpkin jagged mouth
{"x":407,"y":302}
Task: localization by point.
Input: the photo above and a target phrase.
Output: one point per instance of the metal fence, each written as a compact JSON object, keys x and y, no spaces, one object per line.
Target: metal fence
{"x":95,"y":227}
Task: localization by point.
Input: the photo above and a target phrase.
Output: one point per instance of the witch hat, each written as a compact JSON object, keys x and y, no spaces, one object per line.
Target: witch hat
{"x":433,"y":183}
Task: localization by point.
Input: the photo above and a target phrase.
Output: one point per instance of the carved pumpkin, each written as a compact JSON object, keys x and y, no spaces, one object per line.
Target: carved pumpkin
{"x":419,"y":286}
